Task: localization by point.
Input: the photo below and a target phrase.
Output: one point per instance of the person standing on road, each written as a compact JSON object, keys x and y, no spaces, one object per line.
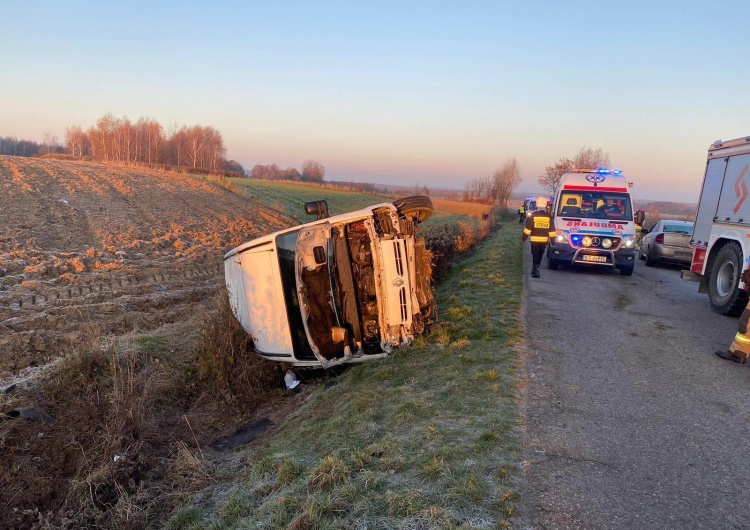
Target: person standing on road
{"x":539,"y":228}
{"x":521,"y":214}
{"x":739,"y":350}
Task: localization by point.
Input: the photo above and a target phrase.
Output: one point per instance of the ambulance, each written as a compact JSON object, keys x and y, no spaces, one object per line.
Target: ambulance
{"x":593,"y":216}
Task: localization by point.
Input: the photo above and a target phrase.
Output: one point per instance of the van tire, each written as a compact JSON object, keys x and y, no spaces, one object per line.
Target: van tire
{"x":627,"y":270}
{"x":726,"y":299}
{"x":552,"y":264}
{"x":417,"y":205}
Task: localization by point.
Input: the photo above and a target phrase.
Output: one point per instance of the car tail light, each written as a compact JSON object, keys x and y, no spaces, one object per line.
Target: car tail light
{"x":659,"y":239}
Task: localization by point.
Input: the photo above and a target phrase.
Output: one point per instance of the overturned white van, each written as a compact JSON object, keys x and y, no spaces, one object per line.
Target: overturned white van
{"x":337,"y":290}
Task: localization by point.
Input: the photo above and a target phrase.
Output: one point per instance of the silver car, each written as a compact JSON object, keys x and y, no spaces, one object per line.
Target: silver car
{"x":667,"y":241}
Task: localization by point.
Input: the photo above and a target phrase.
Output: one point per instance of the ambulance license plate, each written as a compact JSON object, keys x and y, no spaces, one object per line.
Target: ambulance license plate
{"x":599,"y":259}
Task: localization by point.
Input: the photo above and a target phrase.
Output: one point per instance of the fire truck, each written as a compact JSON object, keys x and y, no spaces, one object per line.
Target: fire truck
{"x":721,"y":234}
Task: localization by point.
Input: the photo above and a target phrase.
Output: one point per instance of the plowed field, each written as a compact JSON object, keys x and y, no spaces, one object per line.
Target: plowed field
{"x":89,"y":250}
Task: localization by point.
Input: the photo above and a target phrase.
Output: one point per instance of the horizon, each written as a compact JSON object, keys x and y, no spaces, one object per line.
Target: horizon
{"x":395,"y":94}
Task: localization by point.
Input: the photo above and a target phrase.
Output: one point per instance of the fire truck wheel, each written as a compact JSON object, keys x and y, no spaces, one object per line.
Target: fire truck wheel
{"x":723,"y":292}
{"x":418,"y":205}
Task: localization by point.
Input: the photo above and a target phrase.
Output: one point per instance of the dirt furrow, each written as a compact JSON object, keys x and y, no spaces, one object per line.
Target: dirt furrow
{"x":90,"y":250}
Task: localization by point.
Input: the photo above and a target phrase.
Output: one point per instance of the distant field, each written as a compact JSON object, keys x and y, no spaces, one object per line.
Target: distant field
{"x":652,"y":219}
{"x":289,"y":198}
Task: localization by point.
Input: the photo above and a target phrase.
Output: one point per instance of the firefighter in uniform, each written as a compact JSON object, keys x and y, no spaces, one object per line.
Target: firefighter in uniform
{"x":739,"y":350}
{"x":539,"y":228}
{"x":521,"y":214}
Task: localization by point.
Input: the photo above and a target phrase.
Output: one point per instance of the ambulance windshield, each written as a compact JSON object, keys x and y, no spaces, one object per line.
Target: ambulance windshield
{"x":595,"y":205}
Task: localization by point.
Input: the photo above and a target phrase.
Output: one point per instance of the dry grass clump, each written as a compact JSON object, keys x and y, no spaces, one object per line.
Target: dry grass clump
{"x":111,"y":266}
{"x":227,"y":364}
{"x":77,"y":265}
{"x":447,"y":241}
{"x":132,"y":419}
{"x":224,"y":182}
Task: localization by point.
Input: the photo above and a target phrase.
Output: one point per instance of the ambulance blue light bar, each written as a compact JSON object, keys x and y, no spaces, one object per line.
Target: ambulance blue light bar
{"x":603,"y":171}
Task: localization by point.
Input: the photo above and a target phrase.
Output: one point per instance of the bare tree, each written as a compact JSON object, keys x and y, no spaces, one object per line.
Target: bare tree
{"x":505,"y":179}
{"x":586,"y":158}
{"x":550,"y":179}
{"x":313,"y":171}
{"x":76,"y":141}
{"x":591,"y":159}
{"x":50,"y":143}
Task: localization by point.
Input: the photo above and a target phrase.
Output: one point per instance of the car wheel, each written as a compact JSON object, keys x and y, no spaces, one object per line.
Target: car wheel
{"x":627,"y":270}
{"x":650,"y":262}
{"x":723,"y":292}
{"x":417,"y":205}
{"x":640,"y":254}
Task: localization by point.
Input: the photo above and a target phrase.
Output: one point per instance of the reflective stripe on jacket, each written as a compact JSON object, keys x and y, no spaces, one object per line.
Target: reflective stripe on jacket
{"x":540,"y":227}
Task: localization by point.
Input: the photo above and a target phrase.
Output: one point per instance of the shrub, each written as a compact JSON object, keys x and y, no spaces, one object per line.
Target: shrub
{"x":227,"y":364}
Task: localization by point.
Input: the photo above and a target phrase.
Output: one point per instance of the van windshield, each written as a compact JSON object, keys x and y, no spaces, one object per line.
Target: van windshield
{"x":595,"y":205}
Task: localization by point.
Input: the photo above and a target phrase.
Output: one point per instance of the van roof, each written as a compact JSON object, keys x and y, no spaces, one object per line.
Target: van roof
{"x":592,"y":179}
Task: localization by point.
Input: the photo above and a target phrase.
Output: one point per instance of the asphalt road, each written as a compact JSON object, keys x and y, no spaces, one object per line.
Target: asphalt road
{"x":631,"y":421}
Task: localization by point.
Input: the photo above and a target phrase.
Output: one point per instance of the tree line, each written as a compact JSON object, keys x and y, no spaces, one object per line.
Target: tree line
{"x":312,"y":171}
{"x":10,"y":145}
{"x":146,"y":141}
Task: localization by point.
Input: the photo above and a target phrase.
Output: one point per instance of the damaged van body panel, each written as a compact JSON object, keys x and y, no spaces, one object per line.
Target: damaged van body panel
{"x":347,"y":288}
{"x":252,"y":276}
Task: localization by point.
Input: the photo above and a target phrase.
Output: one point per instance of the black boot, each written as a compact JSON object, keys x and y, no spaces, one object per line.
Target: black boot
{"x":535,"y":272}
{"x":731,"y":356}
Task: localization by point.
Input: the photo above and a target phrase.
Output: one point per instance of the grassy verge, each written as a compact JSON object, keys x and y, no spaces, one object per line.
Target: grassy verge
{"x":427,"y":438}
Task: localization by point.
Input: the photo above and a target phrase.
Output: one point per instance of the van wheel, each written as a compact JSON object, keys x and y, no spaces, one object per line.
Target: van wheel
{"x":417,"y":205}
{"x":723,"y":292}
{"x":551,"y":264}
{"x":627,"y":270}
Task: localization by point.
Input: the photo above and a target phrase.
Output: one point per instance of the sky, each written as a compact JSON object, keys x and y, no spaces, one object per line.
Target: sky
{"x":413,"y":93}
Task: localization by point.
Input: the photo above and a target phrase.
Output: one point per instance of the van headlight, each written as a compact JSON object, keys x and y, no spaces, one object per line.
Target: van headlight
{"x":560,"y":238}
{"x":629,"y":242}
{"x":606,"y":243}
{"x":586,"y":241}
